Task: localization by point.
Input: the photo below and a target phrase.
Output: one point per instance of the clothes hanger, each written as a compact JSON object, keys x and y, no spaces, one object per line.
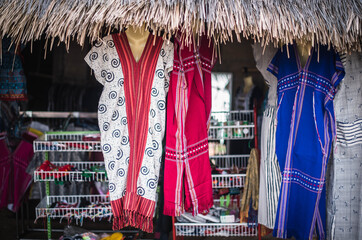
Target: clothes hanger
{"x":66,"y":122}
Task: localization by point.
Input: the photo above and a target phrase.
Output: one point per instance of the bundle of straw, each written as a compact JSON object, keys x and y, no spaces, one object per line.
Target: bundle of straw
{"x":336,"y":23}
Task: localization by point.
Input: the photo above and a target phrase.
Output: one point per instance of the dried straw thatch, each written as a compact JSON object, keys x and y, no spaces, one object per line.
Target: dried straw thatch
{"x":335,"y":22}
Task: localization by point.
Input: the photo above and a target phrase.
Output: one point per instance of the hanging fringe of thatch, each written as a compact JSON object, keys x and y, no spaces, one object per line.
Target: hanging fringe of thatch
{"x":332,"y":22}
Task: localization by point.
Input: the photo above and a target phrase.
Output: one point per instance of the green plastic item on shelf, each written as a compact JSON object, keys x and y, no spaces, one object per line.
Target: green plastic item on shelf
{"x":225,"y":201}
{"x":99,"y":169}
{"x":229,"y":131}
{"x":222,"y":201}
{"x":234,"y":191}
{"x":228,"y":200}
{"x":86,"y":173}
{"x":57,"y":182}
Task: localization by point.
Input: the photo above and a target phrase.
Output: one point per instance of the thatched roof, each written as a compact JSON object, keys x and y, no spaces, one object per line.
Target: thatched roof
{"x":336,"y":22}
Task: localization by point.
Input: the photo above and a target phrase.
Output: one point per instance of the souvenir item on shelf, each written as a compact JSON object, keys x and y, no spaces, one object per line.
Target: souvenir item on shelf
{"x":187,"y":164}
{"x":131,"y":118}
{"x":114,"y":236}
{"x":47,"y":170}
{"x":344,"y":188}
{"x":270,"y":177}
{"x":306,"y":128}
{"x":74,"y":208}
{"x":12,"y":78}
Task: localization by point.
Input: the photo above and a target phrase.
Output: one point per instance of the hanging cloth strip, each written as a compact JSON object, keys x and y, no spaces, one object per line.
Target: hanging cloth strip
{"x":251,"y":189}
{"x":22,"y":157}
{"x":5,"y":170}
{"x":133,"y":209}
{"x":187,"y":164}
{"x":344,"y":219}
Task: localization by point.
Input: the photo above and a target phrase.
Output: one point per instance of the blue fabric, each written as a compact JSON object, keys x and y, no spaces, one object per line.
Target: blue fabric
{"x":12,"y":78}
{"x":306,"y":128}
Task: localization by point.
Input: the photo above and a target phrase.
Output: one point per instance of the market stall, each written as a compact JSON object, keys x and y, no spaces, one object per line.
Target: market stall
{"x":308,"y":53}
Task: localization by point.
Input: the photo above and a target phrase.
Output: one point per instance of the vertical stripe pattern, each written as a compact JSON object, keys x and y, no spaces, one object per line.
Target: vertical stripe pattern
{"x":272,"y":179}
{"x":187,"y":165}
{"x":138,"y":79}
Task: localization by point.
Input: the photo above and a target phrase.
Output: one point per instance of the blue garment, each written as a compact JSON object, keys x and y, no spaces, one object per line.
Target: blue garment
{"x":12,"y":77}
{"x":305,"y":130}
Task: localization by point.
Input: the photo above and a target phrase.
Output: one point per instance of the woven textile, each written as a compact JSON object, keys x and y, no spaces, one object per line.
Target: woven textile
{"x":131,"y":117}
{"x":187,"y":165}
{"x":344,"y":209}
{"x":270,"y":177}
{"x":305,"y":131}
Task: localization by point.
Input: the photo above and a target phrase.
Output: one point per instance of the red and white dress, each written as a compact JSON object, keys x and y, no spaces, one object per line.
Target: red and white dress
{"x":187,"y":166}
{"x":131,"y":117}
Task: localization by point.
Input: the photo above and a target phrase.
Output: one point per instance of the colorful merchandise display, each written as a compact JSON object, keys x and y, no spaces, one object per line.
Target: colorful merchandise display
{"x":131,"y":116}
{"x":305,"y":131}
{"x":187,"y":165}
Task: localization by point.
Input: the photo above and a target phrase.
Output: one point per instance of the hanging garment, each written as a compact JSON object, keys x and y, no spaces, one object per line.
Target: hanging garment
{"x":344,"y":194}
{"x":271,"y":168}
{"x":270,"y":177}
{"x":12,"y":78}
{"x":187,"y":165}
{"x":131,"y":117}
{"x":21,"y":158}
{"x":5,"y":170}
{"x":250,"y":197}
{"x":306,"y":128}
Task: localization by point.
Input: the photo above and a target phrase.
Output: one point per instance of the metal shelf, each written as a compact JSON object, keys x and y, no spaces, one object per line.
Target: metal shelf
{"x":215,"y":217}
{"x":73,"y":211}
{"x":229,"y":161}
{"x":83,"y":141}
{"x":67,"y":146}
{"x":78,"y":175}
{"x":215,"y":229}
{"x":233,"y":125}
{"x":223,"y":126}
{"x":228,"y":180}
{"x":70,"y":135}
{"x":231,"y":132}
{"x":237,"y":115}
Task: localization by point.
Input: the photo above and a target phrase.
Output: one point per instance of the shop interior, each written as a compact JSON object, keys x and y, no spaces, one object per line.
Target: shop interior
{"x":59,"y":80}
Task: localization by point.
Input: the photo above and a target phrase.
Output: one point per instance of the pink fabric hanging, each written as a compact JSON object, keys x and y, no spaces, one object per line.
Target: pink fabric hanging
{"x":188,"y":184}
{"x":21,"y":158}
{"x":5,"y":173}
